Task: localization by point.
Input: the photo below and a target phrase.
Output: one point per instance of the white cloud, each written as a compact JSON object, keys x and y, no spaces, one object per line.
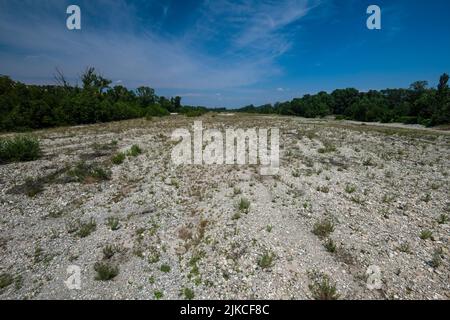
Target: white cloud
{"x":253,"y":32}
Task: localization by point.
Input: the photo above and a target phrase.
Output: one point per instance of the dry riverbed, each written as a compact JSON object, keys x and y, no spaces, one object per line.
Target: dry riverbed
{"x":347,"y":197}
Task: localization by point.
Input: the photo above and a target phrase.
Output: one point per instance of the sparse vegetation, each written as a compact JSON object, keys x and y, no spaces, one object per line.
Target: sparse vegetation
{"x":86,"y":228}
{"x":105,"y":271}
{"x":118,"y":158}
{"x":244,"y":205}
{"x":188,"y":294}
{"x":158,"y":295}
{"x":436,"y":260}
{"x":19,"y":148}
{"x":323,"y":228}
{"x":6,"y":280}
{"x":330,"y":246}
{"x":323,"y":289}
{"x":109,"y":251}
{"x":426,"y":234}
{"x":134,"y":151}
{"x":88,"y":173}
{"x":113,"y":223}
{"x":32,"y":187}
{"x":165,"y":268}
{"x":266,"y":260}
{"x":443,"y":219}
{"x":350,"y":188}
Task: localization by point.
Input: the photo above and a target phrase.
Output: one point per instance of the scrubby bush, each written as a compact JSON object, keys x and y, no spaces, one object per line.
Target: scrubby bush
{"x":19,"y":148}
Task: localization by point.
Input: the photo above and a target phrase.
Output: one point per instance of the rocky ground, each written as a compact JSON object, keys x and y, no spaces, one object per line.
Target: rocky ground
{"x":348,"y":198}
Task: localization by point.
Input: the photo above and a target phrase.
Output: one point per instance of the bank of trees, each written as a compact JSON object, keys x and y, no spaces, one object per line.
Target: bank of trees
{"x":25,"y":107}
{"x":417,"y":104}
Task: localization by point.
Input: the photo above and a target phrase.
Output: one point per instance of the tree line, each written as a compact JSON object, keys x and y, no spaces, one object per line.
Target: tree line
{"x":417,"y":104}
{"x":26,"y":107}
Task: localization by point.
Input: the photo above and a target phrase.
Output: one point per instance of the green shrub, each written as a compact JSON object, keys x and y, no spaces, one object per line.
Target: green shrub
{"x":105,"y":271}
{"x":323,"y":228}
{"x":426,"y":234}
{"x":32,"y":187}
{"x":244,"y":204}
{"x":86,"y":173}
{"x":118,"y":158}
{"x":113,"y":223}
{"x":330,"y":246}
{"x":134,"y":151}
{"x":188,"y":294}
{"x":156,"y":110}
{"x":165,"y":268}
{"x":5,"y":280}
{"x":86,"y":228}
{"x":19,"y":148}
{"x":323,"y":289}
{"x":266,"y":260}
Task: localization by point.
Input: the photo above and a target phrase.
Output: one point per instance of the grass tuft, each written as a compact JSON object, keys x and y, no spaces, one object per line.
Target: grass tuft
{"x":18,"y":149}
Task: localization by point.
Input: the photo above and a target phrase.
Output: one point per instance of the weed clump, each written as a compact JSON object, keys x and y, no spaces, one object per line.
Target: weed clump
{"x":322,"y":288}
{"x":323,"y":228}
{"x":105,"y":271}
{"x":118,"y":158}
{"x":88,"y":173}
{"x":18,"y":149}
{"x":266,"y":260}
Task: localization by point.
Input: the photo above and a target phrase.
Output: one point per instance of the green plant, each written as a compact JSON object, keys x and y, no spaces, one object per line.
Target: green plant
{"x":105,"y":271}
{"x":328,"y":147}
{"x":85,"y":173}
{"x":443,"y":218}
{"x":153,"y":256}
{"x":426,"y":198}
{"x":32,"y":187}
{"x":134,"y":151}
{"x":404,"y":247}
{"x":266,"y":260}
{"x":236,"y":216}
{"x":118,"y":158}
{"x":19,"y":148}
{"x":5,"y":280}
{"x":165,"y":268}
{"x":113,"y":223}
{"x":323,"y":289}
{"x":109,"y":251}
{"x":323,"y":228}
{"x":188,"y":294}
{"x":244,"y":204}
{"x":350,"y":188}
{"x":86,"y":228}
{"x":158,"y":295}
{"x":426,"y":234}
{"x":323,"y":189}
{"x":330,"y":246}
{"x":237,"y":191}
{"x":369,"y":162}
{"x":436,"y":260}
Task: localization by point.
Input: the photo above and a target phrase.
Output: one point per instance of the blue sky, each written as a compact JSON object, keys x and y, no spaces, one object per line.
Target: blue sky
{"x":229,"y":53}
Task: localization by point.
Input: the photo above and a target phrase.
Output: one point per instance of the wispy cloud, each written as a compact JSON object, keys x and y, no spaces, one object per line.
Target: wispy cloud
{"x":252,"y":34}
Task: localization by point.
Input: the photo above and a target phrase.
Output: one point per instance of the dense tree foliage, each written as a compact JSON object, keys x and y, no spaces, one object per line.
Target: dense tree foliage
{"x":418,"y":104}
{"x":25,"y":107}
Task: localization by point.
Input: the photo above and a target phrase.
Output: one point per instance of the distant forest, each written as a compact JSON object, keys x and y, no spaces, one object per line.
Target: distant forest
{"x":418,"y":104}
{"x":27,"y":107}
